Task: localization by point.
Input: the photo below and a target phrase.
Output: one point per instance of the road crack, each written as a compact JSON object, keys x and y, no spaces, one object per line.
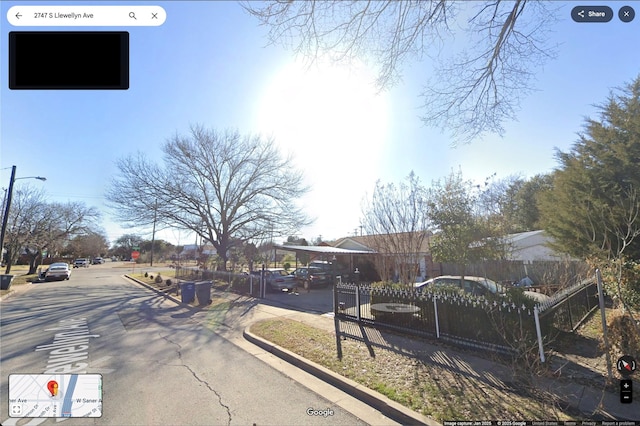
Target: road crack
{"x":193,"y":373}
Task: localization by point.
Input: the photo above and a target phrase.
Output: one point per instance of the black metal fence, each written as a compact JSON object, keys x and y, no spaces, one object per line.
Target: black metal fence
{"x":568,"y":308}
{"x":469,"y":320}
{"x":504,"y":323}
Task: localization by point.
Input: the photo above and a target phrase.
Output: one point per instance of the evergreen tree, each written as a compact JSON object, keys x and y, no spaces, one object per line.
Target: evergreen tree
{"x":594,"y":206}
{"x":521,"y":210}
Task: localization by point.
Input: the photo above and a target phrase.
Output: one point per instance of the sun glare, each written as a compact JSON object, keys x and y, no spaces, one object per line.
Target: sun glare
{"x":331,"y":113}
{"x":335,"y":124}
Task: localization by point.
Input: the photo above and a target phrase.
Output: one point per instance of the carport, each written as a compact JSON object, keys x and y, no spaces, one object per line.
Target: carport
{"x":328,"y":253}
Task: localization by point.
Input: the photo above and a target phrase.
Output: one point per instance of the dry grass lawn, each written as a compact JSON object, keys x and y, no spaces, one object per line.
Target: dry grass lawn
{"x":415,"y":382}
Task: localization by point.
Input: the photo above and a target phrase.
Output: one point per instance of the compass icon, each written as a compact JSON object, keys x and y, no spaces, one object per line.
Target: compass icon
{"x":626,"y":365}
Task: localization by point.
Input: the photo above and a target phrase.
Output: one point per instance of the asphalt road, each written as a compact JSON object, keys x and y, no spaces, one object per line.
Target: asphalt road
{"x":160,"y":365}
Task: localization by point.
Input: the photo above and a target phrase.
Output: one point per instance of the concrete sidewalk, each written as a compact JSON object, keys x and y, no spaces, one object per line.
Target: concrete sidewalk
{"x":242,"y":311}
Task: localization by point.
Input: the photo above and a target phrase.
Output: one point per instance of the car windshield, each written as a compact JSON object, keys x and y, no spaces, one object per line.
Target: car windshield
{"x":492,"y":286}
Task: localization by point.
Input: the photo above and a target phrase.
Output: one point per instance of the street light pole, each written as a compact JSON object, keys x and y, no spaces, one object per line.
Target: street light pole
{"x":5,"y":218}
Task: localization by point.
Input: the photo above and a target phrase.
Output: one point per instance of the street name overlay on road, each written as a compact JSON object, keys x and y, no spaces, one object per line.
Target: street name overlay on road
{"x":55,"y":395}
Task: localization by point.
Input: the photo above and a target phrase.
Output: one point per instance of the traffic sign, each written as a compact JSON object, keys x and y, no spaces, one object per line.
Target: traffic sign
{"x":135,"y":254}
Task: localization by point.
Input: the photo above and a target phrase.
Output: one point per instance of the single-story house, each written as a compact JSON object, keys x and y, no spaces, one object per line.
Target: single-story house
{"x":532,"y":246}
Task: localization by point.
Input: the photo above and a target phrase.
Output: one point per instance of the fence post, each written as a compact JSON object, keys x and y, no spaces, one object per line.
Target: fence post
{"x":263,"y":287}
{"x":539,"y":333}
{"x":569,"y":310}
{"x":358,"y":302}
{"x":604,"y":322}
{"x":586,"y":292}
{"x":435,"y":308}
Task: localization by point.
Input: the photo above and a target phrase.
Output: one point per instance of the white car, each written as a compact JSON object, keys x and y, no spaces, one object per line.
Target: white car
{"x":478,"y":286}
{"x":58,"y":272}
{"x":81,"y":262}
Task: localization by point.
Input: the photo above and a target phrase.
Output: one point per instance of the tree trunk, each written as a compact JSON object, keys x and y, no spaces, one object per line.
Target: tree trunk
{"x":34,"y":262}
{"x":9,"y":261}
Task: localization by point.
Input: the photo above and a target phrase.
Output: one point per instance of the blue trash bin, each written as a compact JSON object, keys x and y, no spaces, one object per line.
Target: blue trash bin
{"x":188,"y":292}
{"x":203,"y":292}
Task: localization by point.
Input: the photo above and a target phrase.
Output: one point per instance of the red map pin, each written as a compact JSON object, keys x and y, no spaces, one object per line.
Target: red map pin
{"x":53,"y":387}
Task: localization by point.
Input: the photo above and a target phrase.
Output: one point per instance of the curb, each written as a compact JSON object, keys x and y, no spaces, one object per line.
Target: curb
{"x":386,"y":406}
{"x":13,"y":291}
{"x":167,"y":296}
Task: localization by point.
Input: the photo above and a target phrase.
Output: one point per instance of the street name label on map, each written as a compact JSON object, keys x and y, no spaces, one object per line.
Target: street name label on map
{"x":55,"y":395}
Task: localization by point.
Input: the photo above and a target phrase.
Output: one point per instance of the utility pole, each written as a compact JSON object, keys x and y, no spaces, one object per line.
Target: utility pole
{"x":5,"y":219}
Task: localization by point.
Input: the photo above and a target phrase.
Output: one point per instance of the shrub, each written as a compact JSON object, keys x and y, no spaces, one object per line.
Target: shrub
{"x":158,"y":279}
{"x":623,"y":335}
{"x":146,"y":274}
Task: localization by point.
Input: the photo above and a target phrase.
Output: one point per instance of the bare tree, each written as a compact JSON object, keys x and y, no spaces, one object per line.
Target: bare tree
{"x":396,"y":220}
{"x":474,"y":91}
{"x":55,"y":223}
{"x":224,"y":187}
{"x":36,"y":225}
{"x":93,"y":243}
{"x":26,"y":201}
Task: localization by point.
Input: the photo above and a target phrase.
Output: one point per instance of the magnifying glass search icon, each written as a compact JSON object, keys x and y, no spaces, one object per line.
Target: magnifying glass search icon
{"x":132,"y":15}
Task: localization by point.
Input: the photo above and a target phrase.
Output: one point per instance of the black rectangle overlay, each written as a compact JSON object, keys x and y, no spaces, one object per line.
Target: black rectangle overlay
{"x":69,"y":60}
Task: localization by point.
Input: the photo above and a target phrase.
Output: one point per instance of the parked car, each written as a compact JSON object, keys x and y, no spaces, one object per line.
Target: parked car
{"x":301,"y":274}
{"x":538,"y":297}
{"x":81,"y":263}
{"x":312,"y":277}
{"x":98,"y":261}
{"x":478,"y":286}
{"x":57,"y":271}
{"x":277,"y":279}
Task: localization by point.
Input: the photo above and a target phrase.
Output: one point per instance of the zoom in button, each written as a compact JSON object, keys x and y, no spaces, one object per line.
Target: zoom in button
{"x":592,"y":14}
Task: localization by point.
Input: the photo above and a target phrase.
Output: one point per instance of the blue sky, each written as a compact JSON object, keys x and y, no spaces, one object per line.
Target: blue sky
{"x":210,"y":64}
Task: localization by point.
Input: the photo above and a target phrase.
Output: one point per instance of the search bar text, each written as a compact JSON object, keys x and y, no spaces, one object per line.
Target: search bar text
{"x":86,"y":16}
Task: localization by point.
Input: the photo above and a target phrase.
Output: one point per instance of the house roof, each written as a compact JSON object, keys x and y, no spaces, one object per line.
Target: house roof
{"x":322,"y":249}
{"x":368,"y":242}
{"x":524,"y":235}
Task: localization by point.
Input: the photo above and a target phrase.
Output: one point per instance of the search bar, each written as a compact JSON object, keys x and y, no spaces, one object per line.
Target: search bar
{"x":86,"y":16}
